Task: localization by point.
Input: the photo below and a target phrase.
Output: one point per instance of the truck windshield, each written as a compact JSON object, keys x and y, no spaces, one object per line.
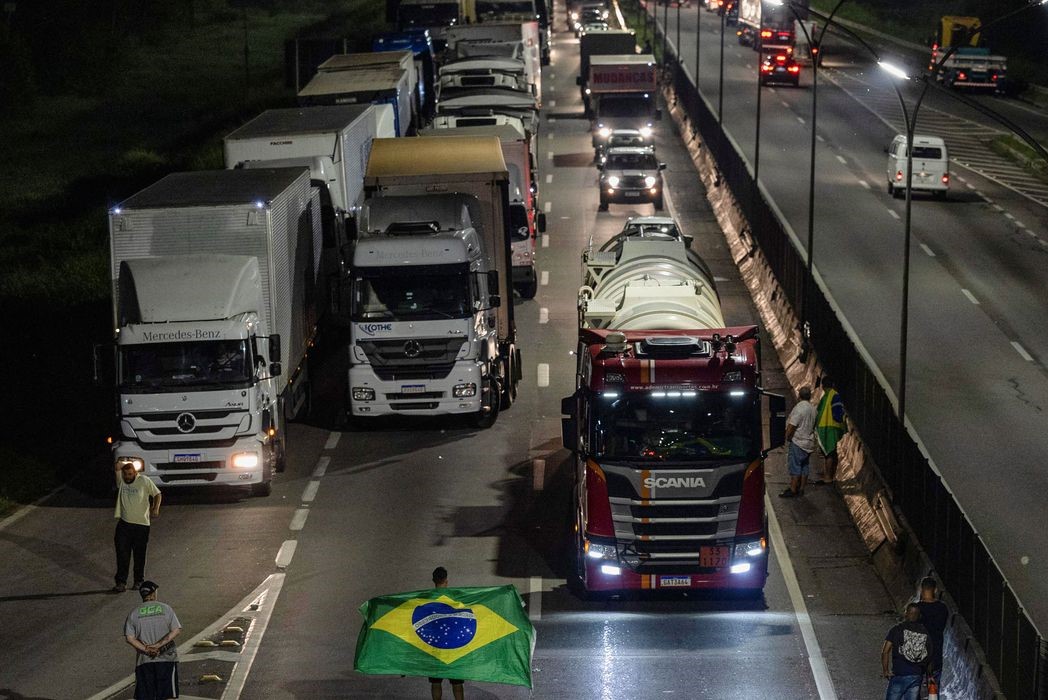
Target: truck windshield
{"x":514,"y":7}
{"x":438,"y":14}
{"x":649,"y":427}
{"x":631,"y":161}
{"x":625,"y":107}
{"x":412,"y":293}
{"x":159,"y":366}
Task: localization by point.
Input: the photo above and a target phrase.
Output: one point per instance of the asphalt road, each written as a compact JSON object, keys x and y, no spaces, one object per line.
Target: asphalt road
{"x":365,"y":512}
{"x":977,"y":386}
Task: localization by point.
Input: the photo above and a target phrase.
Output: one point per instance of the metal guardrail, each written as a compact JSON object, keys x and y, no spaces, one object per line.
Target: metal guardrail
{"x":1014,"y":650}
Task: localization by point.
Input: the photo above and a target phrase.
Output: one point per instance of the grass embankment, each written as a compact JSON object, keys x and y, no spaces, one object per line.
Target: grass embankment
{"x":161,"y":103}
{"x":633,"y":13}
{"x":1022,"y":154}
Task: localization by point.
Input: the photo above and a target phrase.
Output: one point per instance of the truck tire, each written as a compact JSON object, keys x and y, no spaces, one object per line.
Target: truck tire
{"x":603,"y":205}
{"x":491,"y":393}
{"x":509,"y":384}
{"x":659,"y":204}
{"x":529,"y":289}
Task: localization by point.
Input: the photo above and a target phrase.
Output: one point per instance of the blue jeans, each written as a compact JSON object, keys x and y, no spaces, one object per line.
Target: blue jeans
{"x":797,"y":460}
{"x":903,"y":688}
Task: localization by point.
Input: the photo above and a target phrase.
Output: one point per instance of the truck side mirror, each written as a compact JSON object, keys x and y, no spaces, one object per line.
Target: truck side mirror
{"x":274,"y":348}
{"x":688,"y":240}
{"x":776,"y":421}
{"x":541,"y":222}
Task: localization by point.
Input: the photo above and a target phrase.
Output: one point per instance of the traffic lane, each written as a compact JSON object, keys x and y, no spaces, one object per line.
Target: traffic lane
{"x":207,"y":550}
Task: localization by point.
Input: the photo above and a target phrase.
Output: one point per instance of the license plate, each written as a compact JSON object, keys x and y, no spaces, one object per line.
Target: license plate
{"x":674,"y":581}
{"x":632,"y":194}
{"x":412,"y":388}
{"x":187,"y":458}
{"x":713,"y":557}
{"x":780,"y":69}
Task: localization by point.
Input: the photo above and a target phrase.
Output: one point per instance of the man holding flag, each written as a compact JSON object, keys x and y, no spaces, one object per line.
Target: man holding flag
{"x":830,"y":427}
{"x":477,"y":634}
{"x":436,"y":685}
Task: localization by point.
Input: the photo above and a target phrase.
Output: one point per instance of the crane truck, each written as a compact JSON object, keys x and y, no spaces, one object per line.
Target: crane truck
{"x":971,"y":66}
{"x":665,"y":424}
{"x":214,"y":308}
{"x":433,"y":330}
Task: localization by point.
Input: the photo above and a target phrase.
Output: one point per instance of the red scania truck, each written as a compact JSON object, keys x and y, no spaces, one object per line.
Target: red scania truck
{"x":666,"y":424}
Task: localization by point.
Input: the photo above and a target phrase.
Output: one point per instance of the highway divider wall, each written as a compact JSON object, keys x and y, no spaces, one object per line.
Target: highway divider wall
{"x":913,"y":490}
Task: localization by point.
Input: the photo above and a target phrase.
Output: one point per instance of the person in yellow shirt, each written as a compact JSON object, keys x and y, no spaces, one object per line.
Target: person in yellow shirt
{"x":830,"y":427}
{"x":138,"y":500}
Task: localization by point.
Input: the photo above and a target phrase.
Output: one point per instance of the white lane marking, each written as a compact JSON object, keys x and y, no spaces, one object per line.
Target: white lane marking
{"x":298,"y":520}
{"x":969,"y":185}
{"x":538,"y":474}
{"x":543,"y":315}
{"x":264,"y":604}
{"x":286,"y":554}
{"x":543,"y":374}
{"x":893,"y":214}
{"x":549,"y":178}
{"x":800,"y":119}
{"x":321,"y":468}
{"x":545,"y":240}
{"x":332,"y":441}
{"x":310,"y":492}
{"x":552,"y":88}
{"x":1029,"y":232}
{"x":552,"y":76}
{"x":549,"y":136}
{"x":544,"y":278}
{"x":552,"y":103}
{"x":1009,"y":216}
{"x":547,"y":207}
{"x":551,"y":119}
{"x":819,"y":138}
{"x":785,"y":104}
{"x":959,"y":178}
{"x":535,"y":599}
{"x":1022,"y":351}
{"x":928,"y":251}
{"x":864,"y":184}
{"x":987,"y":199}
{"x":549,"y":155}
{"x":997,"y":207}
{"x":1019,"y":224}
{"x":971,"y":297}
{"x":823,"y":682}
{"x":842,"y":160}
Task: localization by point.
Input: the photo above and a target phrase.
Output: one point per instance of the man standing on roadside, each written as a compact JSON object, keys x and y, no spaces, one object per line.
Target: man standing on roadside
{"x":436,"y":685}
{"x":138,"y":500}
{"x":934,"y":616}
{"x":830,"y":427}
{"x":800,"y":437}
{"x":904,"y":656}
{"x":151,"y":629}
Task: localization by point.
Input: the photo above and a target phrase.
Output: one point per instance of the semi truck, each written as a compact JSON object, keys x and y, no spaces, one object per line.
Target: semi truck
{"x":613,"y":42}
{"x":482,"y":102}
{"x":623,"y":94}
{"x":377,"y":85}
{"x":420,"y":43}
{"x":214,"y":278}
{"x":666,"y":424}
{"x":972,"y":66}
{"x":526,"y":221}
{"x":768,"y":27}
{"x":519,"y":39}
{"x":433,"y":330}
{"x":405,"y":60}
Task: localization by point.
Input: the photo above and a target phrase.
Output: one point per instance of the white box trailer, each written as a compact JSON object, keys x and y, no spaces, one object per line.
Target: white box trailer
{"x":374,"y":85}
{"x":397,"y":58}
{"x":214,"y":294}
{"x":519,"y":40}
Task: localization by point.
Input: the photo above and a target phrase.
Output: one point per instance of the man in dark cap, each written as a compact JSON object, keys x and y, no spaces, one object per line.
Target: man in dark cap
{"x":151,"y":629}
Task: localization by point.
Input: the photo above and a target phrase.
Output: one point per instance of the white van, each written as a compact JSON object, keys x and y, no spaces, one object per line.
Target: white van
{"x":931,"y":166}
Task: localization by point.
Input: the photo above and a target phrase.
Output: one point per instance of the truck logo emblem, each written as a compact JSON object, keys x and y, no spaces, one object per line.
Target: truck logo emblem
{"x":674,"y":482}
{"x":185,"y":422}
{"x":412,"y":348}
{"x":373,"y":328}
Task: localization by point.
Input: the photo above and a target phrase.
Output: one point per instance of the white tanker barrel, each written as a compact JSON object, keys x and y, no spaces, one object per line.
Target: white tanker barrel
{"x":654,"y":285}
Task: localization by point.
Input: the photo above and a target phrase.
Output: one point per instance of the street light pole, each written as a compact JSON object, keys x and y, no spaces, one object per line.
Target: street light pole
{"x":677,"y":45}
{"x":698,"y":40}
{"x":665,"y":28}
{"x":720,"y":84}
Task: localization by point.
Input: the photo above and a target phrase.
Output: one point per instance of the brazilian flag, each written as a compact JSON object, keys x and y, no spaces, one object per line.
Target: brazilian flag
{"x":477,"y":634}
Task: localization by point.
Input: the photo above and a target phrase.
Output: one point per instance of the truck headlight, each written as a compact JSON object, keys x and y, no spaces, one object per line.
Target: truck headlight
{"x":613,"y":180}
{"x":464,"y":391}
{"x":646,"y":132}
{"x":595,"y":550}
{"x":137,"y":462}
{"x":650,"y":180}
{"x":244,"y":460}
{"x":363,"y":393}
{"x":604,"y":132}
{"x":750,"y":549}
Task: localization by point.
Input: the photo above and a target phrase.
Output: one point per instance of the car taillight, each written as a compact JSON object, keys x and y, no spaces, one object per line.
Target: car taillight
{"x":962,"y":76}
{"x":898,"y":176}
{"x":751,"y":507}
{"x":598,"y":506}
{"x":780,"y":59}
{"x":993,"y":77}
{"x":766,"y":68}
{"x":765,"y":34}
{"x":794,"y":69}
{"x":946,"y":179}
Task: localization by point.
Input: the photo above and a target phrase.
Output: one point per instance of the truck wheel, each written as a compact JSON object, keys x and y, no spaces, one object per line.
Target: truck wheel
{"x":658,"y":203}
{"x":263,"y":489}
{"x":603,"y":205}
{"x":490,"y":401}
{"x":529,"y":289}
{"x":509,"y":390}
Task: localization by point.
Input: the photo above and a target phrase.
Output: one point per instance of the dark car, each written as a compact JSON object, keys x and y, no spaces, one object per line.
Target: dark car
{"x":630,"y":175}
{"x":780,"y":68}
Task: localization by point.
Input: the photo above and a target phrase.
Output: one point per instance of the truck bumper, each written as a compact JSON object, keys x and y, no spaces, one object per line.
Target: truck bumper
{"x":416,"y":396}
{"x":601,"y":577}
{"x":198,"y":465}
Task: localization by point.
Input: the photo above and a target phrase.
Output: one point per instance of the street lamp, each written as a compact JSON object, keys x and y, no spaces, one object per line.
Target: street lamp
{"x":698,"y":40}
{"x":720,"y":84}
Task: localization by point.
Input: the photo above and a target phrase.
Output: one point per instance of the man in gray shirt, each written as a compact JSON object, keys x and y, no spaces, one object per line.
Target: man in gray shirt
{"x":151,"y":629}
{"x":800,"y":436}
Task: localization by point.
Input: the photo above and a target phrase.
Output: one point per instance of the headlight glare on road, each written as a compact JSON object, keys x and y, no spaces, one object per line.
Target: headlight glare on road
{"x":363,"y":393}
{"x":613,"y":180}
{"x":244,"y":460}
{"x":463,"y":391}
{"x":650,"y":180}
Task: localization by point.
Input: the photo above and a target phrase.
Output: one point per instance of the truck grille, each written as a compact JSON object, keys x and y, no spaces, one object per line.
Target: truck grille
{"x":168,"y":478}
{"x":687,"y":529}
{"x":412,"y":358}
{"x":416,"y":396}
{"x":632,"y":182}
{"x":169,"y":466}
{"x":173,"y":416}
{"x":433,"y":371}
{"x":414,"y":406}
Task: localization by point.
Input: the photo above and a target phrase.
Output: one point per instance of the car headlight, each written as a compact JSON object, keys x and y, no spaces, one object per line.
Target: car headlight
{"x":363,"y":393}
{"x":613,"y":180}
{"x":574,"y":16}
{"x":604,"y":132}
{"x":650,"y":181}
{"x":750,"y":549}
{"x":137,"y":462}
{"x":464,"y":391}
{"x":244,"y":460}
{"x":595,"y":550}
{"x":646,"y":132}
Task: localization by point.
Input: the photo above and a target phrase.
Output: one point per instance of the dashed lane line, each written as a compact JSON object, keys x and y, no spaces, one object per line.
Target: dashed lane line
{"x":842,"y":160}
{"x":543,"y":315}
{"x":542,"y":374}
{"x":544,"y":278}
{"x":865,"y":184}
{"x":1022,"y":351}
{"x":547,"y":207}
{"x":545,"y":240}
{"x":535,"y":599}
{"x":971,"y":297}
{"x":549,"y":178}
{"x":310,"y":492}
{"x":893,"y":214}
{"x":321,"y":468}
{"x":286,"y":554}
{"x":819,"y":138}
{"x":927,"y":251}
{"x":298,"y":520}
{"x":332,"y":441}
{"x":800,"y":119}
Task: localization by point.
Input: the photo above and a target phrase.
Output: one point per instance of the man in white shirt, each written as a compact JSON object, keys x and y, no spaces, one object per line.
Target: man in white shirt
{"x":138,"y":501}
{"x":800,"y":437}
